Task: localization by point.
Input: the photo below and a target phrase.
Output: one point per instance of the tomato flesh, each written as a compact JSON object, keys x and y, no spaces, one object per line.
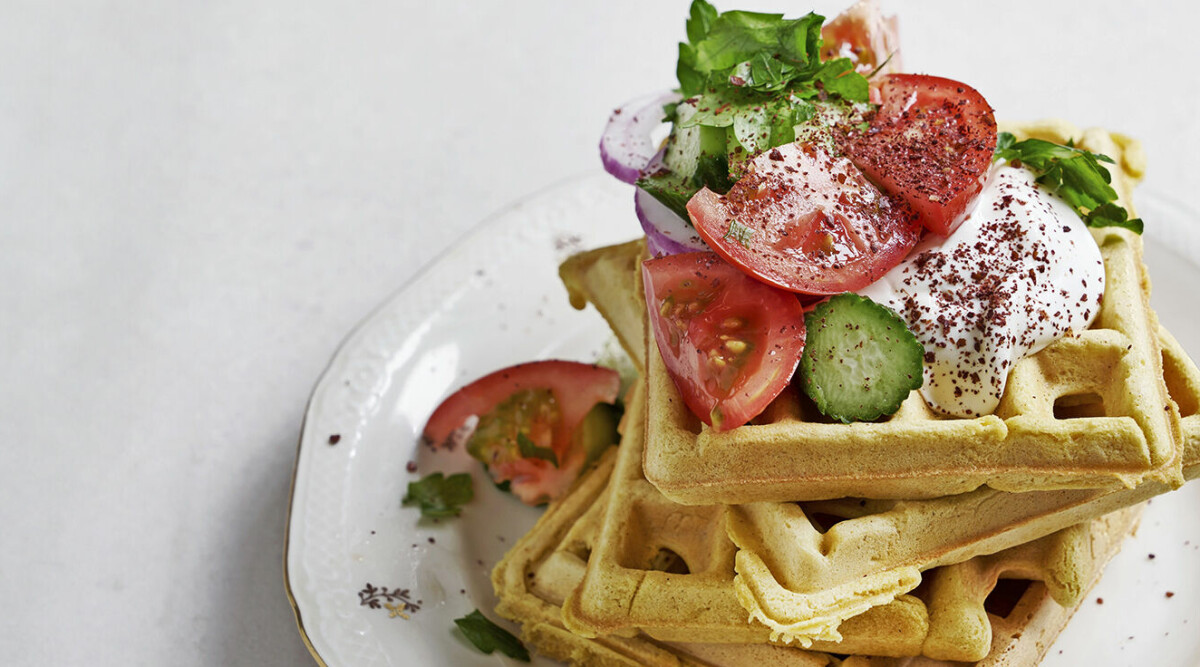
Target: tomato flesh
{"x":541,"y":402}
{"x":729,"y":342}
{"x":529,"y":417}
{"x":806,"y":221}
{"x":930,"y":143}
{"x":577,"y":387}
{"x":536,"y":481}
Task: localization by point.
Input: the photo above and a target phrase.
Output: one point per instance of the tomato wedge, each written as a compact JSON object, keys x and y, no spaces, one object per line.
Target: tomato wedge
{"x":806,"y":221}
{"x":536,"y":481}
{"x":729,"y":342}
{"x":577,"y":387}
{"x":930,"y":144}
{"x":536,"y":425}
{"x":862,"y":34}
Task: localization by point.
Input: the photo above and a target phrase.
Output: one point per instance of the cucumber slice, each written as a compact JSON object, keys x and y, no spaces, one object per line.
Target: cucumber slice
{"x":697,"y":153}
{"x":598,"y":431}
{"x":860,"y":360}
{"x":683,"y":146}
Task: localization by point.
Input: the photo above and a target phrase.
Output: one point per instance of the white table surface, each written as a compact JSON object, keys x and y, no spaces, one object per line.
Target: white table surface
{"x":200,"y":199}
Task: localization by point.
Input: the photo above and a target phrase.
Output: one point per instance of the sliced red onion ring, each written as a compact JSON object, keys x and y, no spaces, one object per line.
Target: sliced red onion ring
{"x":626,"y":145}
{"x":666,"y":232}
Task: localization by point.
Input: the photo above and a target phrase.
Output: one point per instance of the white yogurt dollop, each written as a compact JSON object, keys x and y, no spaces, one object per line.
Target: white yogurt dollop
{"x":1020,"y":272}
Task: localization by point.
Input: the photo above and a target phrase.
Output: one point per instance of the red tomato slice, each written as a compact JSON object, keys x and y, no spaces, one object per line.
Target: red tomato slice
{"x":730,"y":343}
{"x":865,"y":36}
{"x":536,"y":481}
{"x":930,"y":144}
{"x":577,"y":388}
{"x":806,"y":221}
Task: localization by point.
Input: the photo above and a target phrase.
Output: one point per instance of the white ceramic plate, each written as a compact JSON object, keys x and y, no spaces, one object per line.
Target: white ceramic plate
{"x":372,"y":585}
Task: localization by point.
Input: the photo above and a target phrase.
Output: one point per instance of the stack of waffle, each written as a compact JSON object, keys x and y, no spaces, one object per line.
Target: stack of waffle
{"x":918,"y":540}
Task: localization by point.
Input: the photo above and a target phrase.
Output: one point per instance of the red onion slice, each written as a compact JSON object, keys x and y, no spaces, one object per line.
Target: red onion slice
{"x":666,"y":232}
{"x":626,"y":145}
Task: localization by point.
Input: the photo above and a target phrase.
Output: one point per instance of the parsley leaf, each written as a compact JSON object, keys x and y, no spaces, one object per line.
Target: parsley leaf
{"x":1074,"y":174}
{"x":764,"y":53}
{"x":750,"y":82}
{"x":700,"y":20}
{"x":840,"y":78}
{"x":439,"y":496}
{"x":488,"y":637}
{"x":1112,"y":215}
{"x":529,"y":450}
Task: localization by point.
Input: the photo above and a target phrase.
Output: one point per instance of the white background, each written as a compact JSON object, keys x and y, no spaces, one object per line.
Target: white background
{"x":200,"y":199}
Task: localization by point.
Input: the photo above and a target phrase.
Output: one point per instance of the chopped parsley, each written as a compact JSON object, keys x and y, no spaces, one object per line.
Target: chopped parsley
{"x":761,"y":53}
{"x":1074,"y":174}
{"x":739,"y":233}
{"x":489,"y":637}
{"x":439,"y":496}
{"x":749,"y":80}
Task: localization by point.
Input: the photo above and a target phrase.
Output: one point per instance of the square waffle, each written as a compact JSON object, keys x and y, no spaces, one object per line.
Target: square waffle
{"x":549,"y":563}
{"x":668,"y":571}
{"x":881,"y":550}
{"x":787,"y":566}
{"x":544,"y":567}
{"x":610,"y":278}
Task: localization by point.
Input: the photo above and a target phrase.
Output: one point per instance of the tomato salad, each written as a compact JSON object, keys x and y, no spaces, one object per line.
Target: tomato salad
{"x":873,"y":160}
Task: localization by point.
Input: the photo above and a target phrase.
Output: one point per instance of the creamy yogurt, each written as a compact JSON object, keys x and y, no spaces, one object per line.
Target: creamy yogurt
{"x":1020,"y":272}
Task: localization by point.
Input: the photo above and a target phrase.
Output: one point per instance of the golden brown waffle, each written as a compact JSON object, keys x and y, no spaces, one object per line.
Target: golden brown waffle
{"x":614,"y":271}
{"x":1087,"y":412}
{"x":667,"y":570}
{"x":1023,"y":634}
{"x":787,"y":566}
{"x":867,"y":555}
{"x":1023,"y":624}
{"x":546,"y":564}
{"x":893,"y":540}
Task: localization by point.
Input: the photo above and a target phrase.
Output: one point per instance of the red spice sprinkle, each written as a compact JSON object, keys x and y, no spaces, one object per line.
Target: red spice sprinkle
{"x":411,"y":466}
{"x":334,"y":439}
{"x":1099,"y":600}
{"x":1170,"y":594}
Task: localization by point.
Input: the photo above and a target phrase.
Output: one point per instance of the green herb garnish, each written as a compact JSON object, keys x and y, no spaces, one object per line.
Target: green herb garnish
{"x":763,"y":53}
{"x":749,"y":80}
{"x":1074,"y":174}
{"x":529,"y":450}
{"x":439,"y":496}
{"x":488,"y":637}
{"x":739,"y":233}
